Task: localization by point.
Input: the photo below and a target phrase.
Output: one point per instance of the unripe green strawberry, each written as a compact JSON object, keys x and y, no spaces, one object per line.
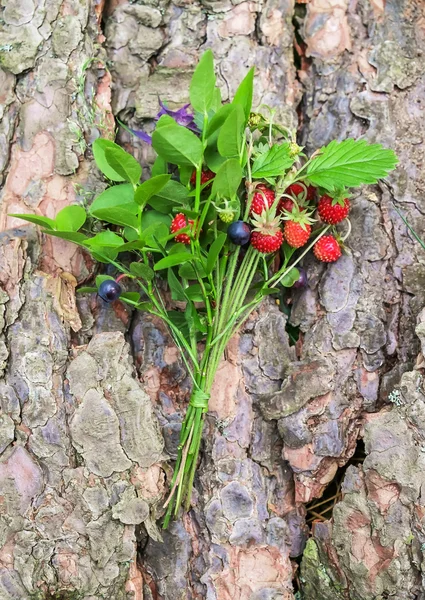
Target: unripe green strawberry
{"x":226,"y":216}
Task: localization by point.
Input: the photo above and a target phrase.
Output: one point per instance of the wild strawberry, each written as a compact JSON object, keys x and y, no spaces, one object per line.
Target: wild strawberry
{"x":267,"y":236}
{"x":226,"y":216}
{"x":206,"y":176}
{"x":296,"y":234}
{"x":267,"y":242}
{"x":180,"y":222}
{"x":262,"y":200}
{"x":333,"y":210}
{"x":298,"y":190}
{"x":327,"y":249}
{"x":286,"y":204}
{"x":297,"y":227}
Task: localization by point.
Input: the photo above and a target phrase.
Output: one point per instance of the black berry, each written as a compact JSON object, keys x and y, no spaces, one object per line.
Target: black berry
{"x":109,"y":290}
{"x":239,"y":233}
{"x":302,"y":280}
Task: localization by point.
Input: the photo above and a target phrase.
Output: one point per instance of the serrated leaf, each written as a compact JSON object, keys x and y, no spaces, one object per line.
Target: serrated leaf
{"x":244,"y":93}
{"x":227,"y":179}
{"x":177,"y":145}
{"x":203,"y":83}
{"x":70,"y":218}
{"x":350,"y":163}
{"x":173,"y":260}
{"x":99,"y":146}
{"x":35,"y":219}
{"x":230,"y":138}
{"x":214,"y":252}
{"x":117,"y":195}
{"x":124,"y":164}
{"x":272,"y":163}
{"x":141,"y":270}
{"x":150,"y":188}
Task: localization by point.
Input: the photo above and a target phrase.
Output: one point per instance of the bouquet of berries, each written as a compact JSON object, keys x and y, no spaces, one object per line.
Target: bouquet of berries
{"x":231,"y":207}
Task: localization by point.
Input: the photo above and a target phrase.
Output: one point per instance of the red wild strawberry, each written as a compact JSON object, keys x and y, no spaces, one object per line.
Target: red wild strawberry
{"x":267,"y":236}
{"x":327,"y":249}
{"x":267,"y":242}
{"x":333,"y":210}
{"x":206,"y":176}
{"x":297,"y":189}
{"x":180,"y":222}
{"x":285,"y":204}
{"x":296,"y":234}
{"x":262,"y":200}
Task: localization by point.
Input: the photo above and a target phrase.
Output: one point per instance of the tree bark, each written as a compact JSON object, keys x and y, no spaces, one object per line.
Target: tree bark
{"x":92,"y":398}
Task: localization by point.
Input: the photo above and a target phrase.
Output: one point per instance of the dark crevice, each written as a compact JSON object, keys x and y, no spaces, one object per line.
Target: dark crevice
{"x":321,"y":509}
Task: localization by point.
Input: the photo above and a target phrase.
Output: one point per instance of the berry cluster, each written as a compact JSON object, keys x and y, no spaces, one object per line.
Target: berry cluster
{"x":276,"y":217}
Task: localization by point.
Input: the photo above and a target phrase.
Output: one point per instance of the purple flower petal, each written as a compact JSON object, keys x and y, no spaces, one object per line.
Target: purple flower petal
{"x":142,"y":135}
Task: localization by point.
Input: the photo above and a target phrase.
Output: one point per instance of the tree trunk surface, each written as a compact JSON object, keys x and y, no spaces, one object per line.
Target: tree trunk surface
{"x":92,"y":398}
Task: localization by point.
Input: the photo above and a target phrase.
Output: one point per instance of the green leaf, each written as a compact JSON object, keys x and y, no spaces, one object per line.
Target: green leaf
{"x":165,"y":120}
{"x":117,"y":216}
{"x":130,"y":297}
{"x":104,"y":254}
{"x":213,"y":159}
{"x":230,"y":138}
{"x":173,"y":260}
{"x":117,"y":195}
{"x":134,"y":245}
{"x":130,"y":234}
{"x":101,"y":278}
{"x":99,"y":146}
{"x":42,"y":221}
{"x":176,"y":288}
{"x":150,"y":188}
{"x":273,"y":162}
{"x":177,"y":145}
{"x":159,"y":167}
{"x":214,"y":252}
{"x":244,"y":93}
{"x":70,"y":236}
{"x":141,"y":270}
{"x":185,"y":172}
{"x":155,"y":234}
{"x":124,"y":164}
{"x":70,"y":218}
{"x":144,"y":306}
{"x":290,"y":278}
{"x":187,"y":271}
{"x":154,"y":218}
{"x":179,"y":320}
{"x":86,"y":290}
{"x":171,"y":194}
{"x":203,"y":83}
{"x":216,"y":103}
{"x":194,"y":292}
{"x":219,"y":118}
{"x":228,"y":179}
{"x":350,"y":163}
{"x":105,"y":239}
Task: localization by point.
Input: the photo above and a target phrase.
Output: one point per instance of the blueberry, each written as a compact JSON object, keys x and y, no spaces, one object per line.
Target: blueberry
{"x":302,"y":280}
{"x":109,"y":290}
{"x":239,"y":233}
